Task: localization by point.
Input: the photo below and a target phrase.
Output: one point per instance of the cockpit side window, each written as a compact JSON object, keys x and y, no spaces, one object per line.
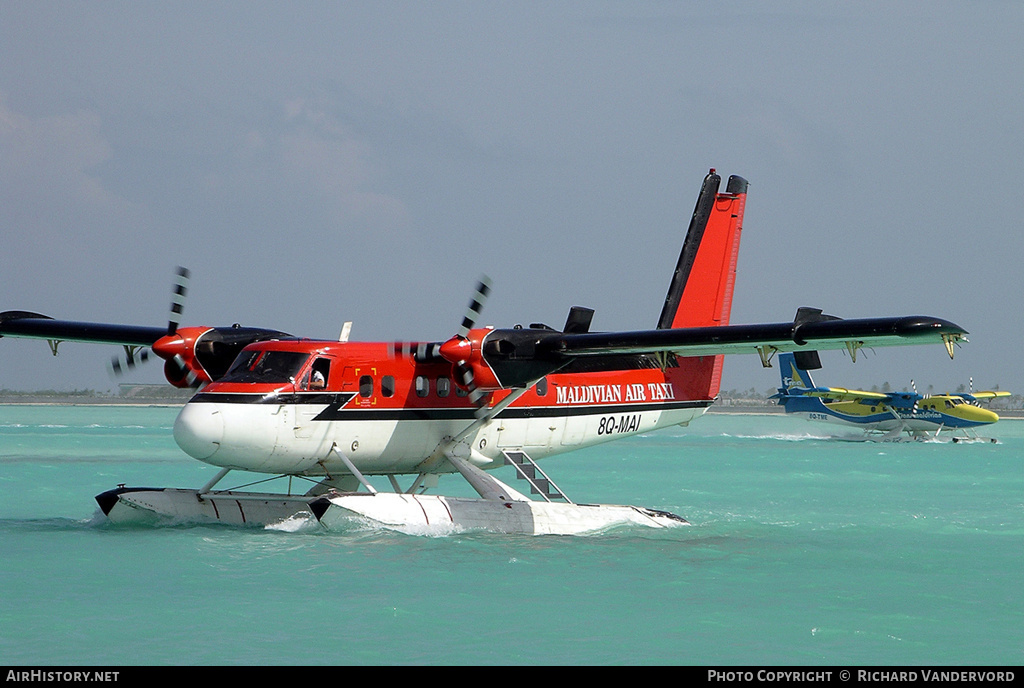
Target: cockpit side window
{"x":266,"y":366}
{"x":319,"y":374}
{"x":245,"y":361}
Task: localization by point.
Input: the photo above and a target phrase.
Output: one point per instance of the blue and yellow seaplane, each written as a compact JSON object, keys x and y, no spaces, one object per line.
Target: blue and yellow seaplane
{"x":885,"y":416}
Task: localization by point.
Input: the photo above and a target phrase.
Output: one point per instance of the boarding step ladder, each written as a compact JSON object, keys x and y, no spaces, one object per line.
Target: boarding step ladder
{"x":529,"y":471}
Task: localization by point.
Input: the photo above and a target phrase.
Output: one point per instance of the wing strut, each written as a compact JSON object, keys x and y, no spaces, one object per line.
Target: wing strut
{"x":351,"y":467}
{"x":854,"y":347}
{"x":767,"y":353}
{"x":950,"y":339}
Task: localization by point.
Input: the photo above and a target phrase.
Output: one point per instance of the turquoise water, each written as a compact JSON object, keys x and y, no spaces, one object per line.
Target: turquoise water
{"x":803,"y":551}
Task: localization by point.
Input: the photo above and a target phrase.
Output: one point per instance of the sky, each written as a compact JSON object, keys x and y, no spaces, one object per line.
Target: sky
{"x":320,"y":162}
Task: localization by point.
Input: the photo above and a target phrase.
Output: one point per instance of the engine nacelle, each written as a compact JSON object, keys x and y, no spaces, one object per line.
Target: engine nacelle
{"x":179,"y":375}
{"x":470,"y":370}
{"x":182,"y":367}
{"x":489,"y":360}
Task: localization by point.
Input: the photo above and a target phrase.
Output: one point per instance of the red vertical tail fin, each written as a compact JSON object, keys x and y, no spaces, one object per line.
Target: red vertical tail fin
{"x":700,"y":294}
{"x":701,"y":291}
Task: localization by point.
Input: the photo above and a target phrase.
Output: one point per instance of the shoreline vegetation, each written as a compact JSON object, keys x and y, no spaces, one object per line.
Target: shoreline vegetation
{"x":144,"y":395}
{"x":731,"y":401}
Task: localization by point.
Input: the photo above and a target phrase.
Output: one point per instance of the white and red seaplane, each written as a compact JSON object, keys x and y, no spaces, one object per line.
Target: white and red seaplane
{"x":327,"y":414}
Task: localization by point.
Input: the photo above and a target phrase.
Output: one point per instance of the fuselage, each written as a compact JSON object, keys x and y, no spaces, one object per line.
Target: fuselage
{"x":389,"y":413}
{"x":930,"y":414}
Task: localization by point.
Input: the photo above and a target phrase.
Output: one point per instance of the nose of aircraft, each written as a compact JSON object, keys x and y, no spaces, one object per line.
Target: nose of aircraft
{"x":979,"y":415}
{"x":199,"y":430}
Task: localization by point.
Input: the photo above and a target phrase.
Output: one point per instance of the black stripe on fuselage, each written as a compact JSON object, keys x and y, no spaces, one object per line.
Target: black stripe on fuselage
{"x":333,"y":410}
{"x":302,"y":398}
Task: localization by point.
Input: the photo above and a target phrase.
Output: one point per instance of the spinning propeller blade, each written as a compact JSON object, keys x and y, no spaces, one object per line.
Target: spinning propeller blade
{"x":476,"y":304}
{"x":134,"y":356}
{"x":183,"y":371}
{"x":425,"y":352}
{"x":458,"y":349}
{"x":421,"y":352}
{"x":178,"y":299}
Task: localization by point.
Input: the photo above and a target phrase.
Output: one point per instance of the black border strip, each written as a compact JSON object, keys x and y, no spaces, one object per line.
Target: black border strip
{"x":334,"y":410}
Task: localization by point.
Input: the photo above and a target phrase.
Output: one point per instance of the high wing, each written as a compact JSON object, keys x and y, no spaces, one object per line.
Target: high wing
{"x":974,"y":396}
{"x":775,"y":337}
{"x":35,"y":326}
{"x":841,"y":394}
{"x":193,"y":355}
{"x":892,"y":402}
{"x":515,"y":358}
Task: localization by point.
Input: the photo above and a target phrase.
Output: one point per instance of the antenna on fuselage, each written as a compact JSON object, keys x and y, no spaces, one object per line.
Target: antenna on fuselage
{"x":346,"y":329}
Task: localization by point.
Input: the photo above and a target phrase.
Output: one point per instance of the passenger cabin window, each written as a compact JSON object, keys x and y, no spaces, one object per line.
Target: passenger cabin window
{"x":542,"y":387}
{"x":422,"y":386}
{"x":444,"y":386}
{"x":387,"y":385}
{"x":366,"y":386}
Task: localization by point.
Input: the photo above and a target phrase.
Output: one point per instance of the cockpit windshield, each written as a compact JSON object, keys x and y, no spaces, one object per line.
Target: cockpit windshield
{"x":266,"y":366}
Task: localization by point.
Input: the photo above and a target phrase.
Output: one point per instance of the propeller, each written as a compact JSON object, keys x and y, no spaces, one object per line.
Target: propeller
{"x":127,"y":361}
{"x":459,"y":349}
{"x":476,"y":305}
{"x":192,"y":355}
{"x":182,"y":277}
{"x":485,"y":360}
{"x":175,"y":369}
{"x":427,"y":352}
{"x":421,"y":352}
{"x":175,"y":366}
{"x":971,"y":399}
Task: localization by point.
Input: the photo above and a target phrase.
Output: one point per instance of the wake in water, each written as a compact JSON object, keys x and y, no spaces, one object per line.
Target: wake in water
{"x":299,"y":523}
{"x":364,"y":526}
{"x":306,"y":523}
{"x":854,"y":437}
{"x":782,"y":437}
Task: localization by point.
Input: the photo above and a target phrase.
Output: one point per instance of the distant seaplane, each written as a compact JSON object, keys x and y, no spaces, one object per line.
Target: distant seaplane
{"x":329,"y":414}
{"x":885,"y":416}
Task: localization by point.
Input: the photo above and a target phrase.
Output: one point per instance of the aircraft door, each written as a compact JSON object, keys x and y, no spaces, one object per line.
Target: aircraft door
{"x":512,"y":433}
{"x":311,"y":398}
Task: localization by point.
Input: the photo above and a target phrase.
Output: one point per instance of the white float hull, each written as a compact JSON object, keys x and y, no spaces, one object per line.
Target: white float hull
{"x":435,"y":513}
{"x":404,"y":512}
{"x":172,"y":505}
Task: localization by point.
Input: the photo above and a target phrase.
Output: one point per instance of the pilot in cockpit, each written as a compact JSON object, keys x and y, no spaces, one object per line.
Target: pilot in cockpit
{"x":318,"y":378}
